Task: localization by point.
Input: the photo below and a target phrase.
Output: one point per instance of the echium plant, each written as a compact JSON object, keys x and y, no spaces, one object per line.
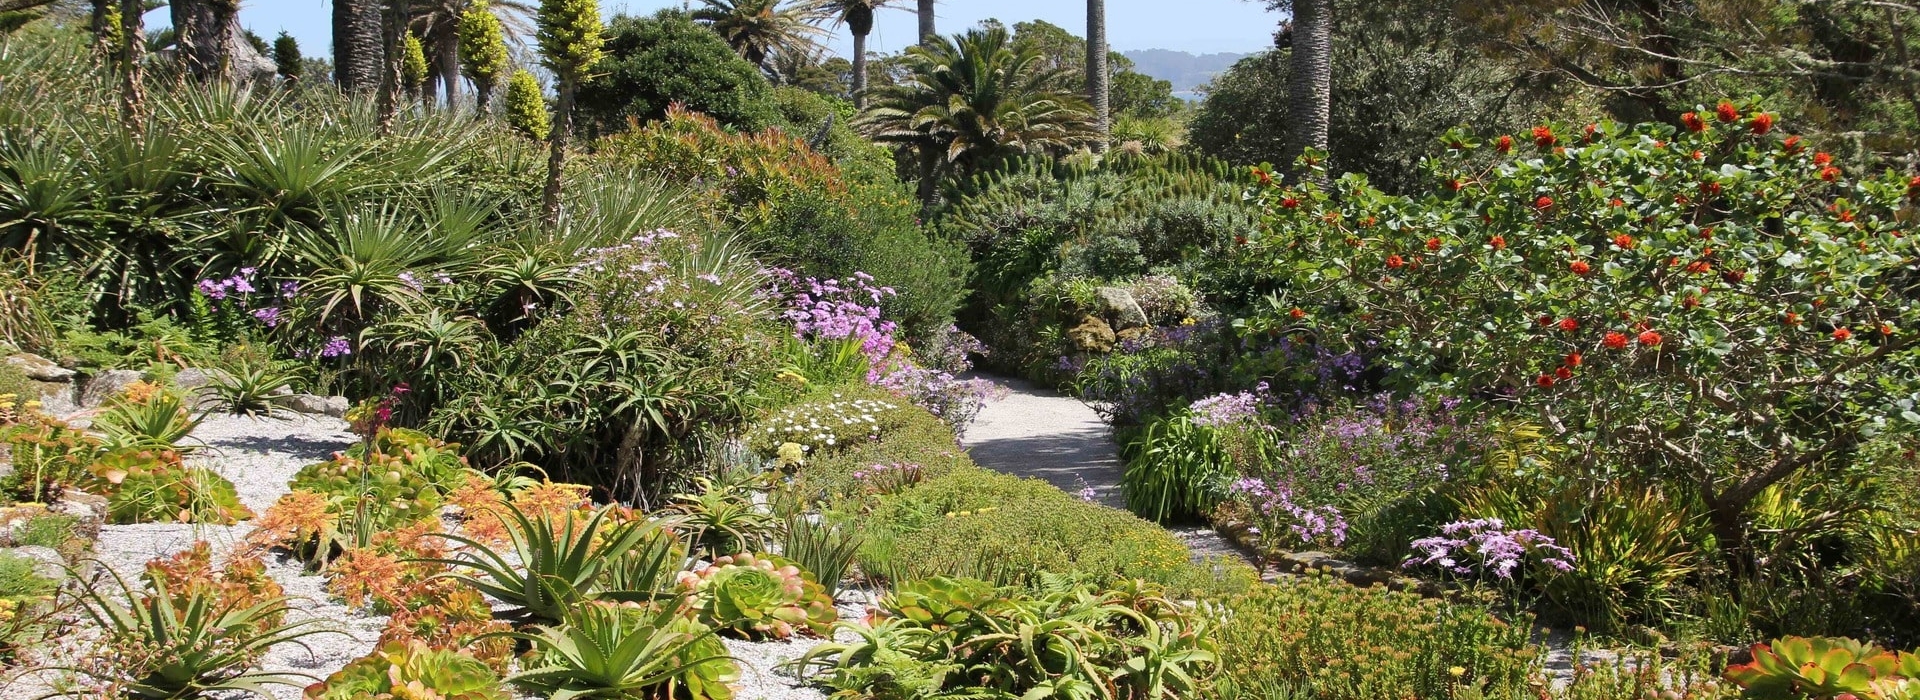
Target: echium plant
{"x":1710,"y":301}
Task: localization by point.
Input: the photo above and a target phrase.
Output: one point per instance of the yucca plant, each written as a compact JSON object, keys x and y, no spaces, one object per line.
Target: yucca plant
{"x":624,"y":651}
{"x":189,"y":644}
{"x":250,"y":390}
{"x":563,"y":562}
{"x":826,"y":551}
{"x":162,"y":421}
{"x":723,"y":519}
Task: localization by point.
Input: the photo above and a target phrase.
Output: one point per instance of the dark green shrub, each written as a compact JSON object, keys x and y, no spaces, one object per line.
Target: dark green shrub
{"x":654,"y":62}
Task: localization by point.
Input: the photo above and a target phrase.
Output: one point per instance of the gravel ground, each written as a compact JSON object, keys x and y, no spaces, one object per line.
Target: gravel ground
{"x":261,"y":456}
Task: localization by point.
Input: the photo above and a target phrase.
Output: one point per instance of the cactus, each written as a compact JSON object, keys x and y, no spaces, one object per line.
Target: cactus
{"x":759,"y":597}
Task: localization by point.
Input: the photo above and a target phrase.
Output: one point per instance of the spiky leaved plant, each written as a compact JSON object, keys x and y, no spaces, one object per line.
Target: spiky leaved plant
{"x":483,"y":51}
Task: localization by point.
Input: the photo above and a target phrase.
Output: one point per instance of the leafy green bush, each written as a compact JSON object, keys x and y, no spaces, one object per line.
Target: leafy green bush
{"x":981,"y":524}
{"x":1317,"y":637}
{"x":948,"y":634}
{"x":652,"y":63}
{"x":908,"y":435}
{"x":25,"y":599}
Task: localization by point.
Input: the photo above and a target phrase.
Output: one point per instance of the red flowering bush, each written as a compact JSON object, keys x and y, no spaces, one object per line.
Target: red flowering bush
{"x":1685,"y":301}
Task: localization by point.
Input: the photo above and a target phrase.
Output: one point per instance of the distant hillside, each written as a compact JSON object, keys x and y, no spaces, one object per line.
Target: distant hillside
{"x":1186,"y":71}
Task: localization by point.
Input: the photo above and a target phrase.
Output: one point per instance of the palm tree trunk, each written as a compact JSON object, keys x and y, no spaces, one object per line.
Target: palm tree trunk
{"x":1097,"y":78}
{"x":1310,"y":90}
{"x":356,"y":44}
{"x":859,"y":70}
{"x":446,"y":60}
{"x":102,"y":34}
{"x":133,"y":99}
{"x":557,"y":155}
{"x":927,"y":32}
{"x":390,"y":78}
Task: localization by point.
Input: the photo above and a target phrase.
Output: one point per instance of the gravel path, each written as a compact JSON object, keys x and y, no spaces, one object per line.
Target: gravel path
{"x":1033,"y":432}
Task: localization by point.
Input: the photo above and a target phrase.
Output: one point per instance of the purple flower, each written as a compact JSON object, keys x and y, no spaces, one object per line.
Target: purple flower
{"x":407,"y":278}
{"x":268,"y":315}
{"x":289,"y":289}
{"x":336,"y":347}
{"x":1489,"y":545}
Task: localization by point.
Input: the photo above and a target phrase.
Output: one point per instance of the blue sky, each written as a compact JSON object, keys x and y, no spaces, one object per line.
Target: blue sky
{"x":1199,"y":26}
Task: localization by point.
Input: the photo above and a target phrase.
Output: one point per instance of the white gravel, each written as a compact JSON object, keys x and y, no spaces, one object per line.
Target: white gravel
{"x":260,"y":456}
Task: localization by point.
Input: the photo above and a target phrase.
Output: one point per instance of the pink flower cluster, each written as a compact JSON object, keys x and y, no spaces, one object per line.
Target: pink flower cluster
{"x":1308,"y":522}
{"x":1225,"y":409}
{"x":1495,"y":548}
{"x":839,"y":309}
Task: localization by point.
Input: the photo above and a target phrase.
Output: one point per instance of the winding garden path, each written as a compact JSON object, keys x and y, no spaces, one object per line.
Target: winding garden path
{"x":1033,"y":432}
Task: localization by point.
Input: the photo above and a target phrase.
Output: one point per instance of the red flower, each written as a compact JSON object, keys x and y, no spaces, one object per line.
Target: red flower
{"x":1681,"y":200}
{"x":1822,"y":158}
{"x":1546,"y":320}
{"x":1699,"y":267}
{"x":1505,"y":144}
{"x":1710,"y":189}
{"x":1590,"y":131}
{"x":1240,"y":240}
{"x":1693,"y":122}
{"x":1913,"y":188}
{"x":1846,"y":216}
{"x":1761,"y":123}
{"x":1886,"y":329}
{"x":1262,"y":175}
{"x":1793,"y":319}
{"x":1543,"y":137}
{"x":1289,"y":203}
{"x":1297,"y":313}
{"x":1615,"y":340}
{"x":1498,"y":242}
{"x":1433,"y":244}
{"x":1563,"y":373}
{"x":1575,"y":360}
{"x":1545,"y":381}
{"x":1454,"y":184}
{"x":1616,"y":202}
{"x":1543,"y":203}
{"x":1830,"y":173}
{"x":1649,"y":339}
{"x":1792,"y":144}
{"x":1734,"y":276}
{"x":1697,"y":155}
{"x":1690,"y":302}
{"x":1569,"y":325}
{"x":1726,"y":112}
{"x":1842,"y":334}
{"x":1580,"y":267}
{"x":1707,"y":233}
{"x":1395,"y":262}
{"x":1624,"y":241}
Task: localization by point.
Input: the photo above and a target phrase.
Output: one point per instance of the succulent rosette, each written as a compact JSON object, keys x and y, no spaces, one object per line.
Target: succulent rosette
{"x":759,"y":596}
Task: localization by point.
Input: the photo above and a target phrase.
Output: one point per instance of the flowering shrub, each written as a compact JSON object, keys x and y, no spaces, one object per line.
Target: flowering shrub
{"x":1343,"y":472}
{"x":822,"y":425}
{"x":840,"y":309}
{"x":1475,"y":547}
{"x":1717,"y":304}
{"x":1222,"y":409}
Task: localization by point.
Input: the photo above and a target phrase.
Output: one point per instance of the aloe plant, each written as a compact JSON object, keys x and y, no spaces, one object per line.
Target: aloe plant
{"x":724,"y":521}
{"x":188,"y":643}
{"x":608,"y":650}
{"x":562,"y":563}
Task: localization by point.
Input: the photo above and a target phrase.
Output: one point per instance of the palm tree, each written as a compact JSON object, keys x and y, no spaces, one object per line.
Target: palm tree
{"x":758,"y":29}
{"x":858,"y":16}
{"x":927,"y":32}
{"x":1310,"y":90}
{"x":974,"y":99}
{"x":1097,"y":77}
{"x":203,"y":30}
{"x":357,"y":51}
{"x":133,"y":98}
{"x":438,"y":24}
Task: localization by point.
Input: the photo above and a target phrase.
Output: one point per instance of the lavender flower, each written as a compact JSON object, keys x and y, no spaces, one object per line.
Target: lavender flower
{"x":1496,"y":549}
{"x":270,"y":316}
{"x":336,"y":347}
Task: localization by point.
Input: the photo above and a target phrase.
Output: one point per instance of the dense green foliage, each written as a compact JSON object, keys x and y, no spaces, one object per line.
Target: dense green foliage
{"x":655,"y":62}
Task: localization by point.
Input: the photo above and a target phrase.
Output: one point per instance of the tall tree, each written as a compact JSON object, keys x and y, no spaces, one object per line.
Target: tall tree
{"x":858,"y":16}
{"x":357,"y":52}
{"x":758,"y":29}
{"x":570,"y":42}
{"x":203,"y":34}
{"x":104,"y":21}
{"x":482,"y":51}
{"x":969,"y":101}
{"x":927,"y":31}
{"x":1097,"y":75}
{"x":287,"y":60}
{"x":438,"y":24}
{"x":1310,"y":89}
{"x":394,"y":61}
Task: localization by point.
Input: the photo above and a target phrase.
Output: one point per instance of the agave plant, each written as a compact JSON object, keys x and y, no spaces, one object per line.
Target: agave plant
{"x":824,"y":550}
{"x":627,"y":651}
{"x":250,"y":390}
{"x":759,"y":597}
{"x":723,"y":519}
{"x":189,"y":644}
{"x":563,"y":562}
{"x":162,"y":421}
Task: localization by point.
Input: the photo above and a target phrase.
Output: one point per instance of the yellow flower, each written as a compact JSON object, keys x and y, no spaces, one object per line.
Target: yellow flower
{"x":1188,"y":321}
{"x":1457,"y":671}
